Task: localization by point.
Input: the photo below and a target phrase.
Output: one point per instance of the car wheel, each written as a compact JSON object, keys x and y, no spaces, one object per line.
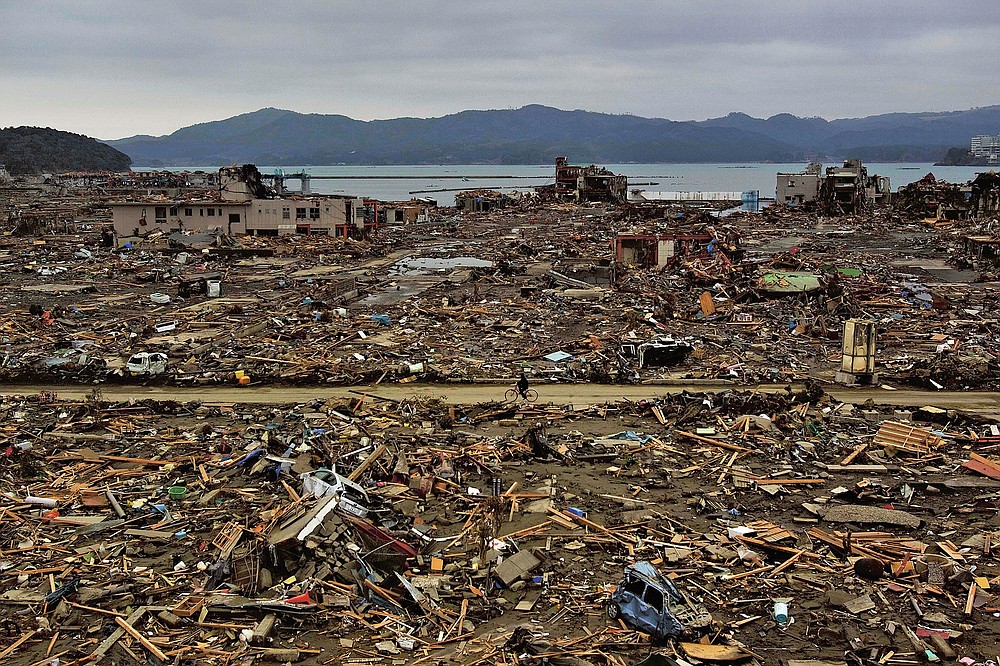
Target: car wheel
{"x":613,"y":610}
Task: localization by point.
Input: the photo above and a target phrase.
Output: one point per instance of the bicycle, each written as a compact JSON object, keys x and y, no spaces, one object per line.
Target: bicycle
{"x":513,"y":394}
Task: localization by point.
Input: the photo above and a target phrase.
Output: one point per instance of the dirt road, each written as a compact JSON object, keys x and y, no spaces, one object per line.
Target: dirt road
{"x":987,"y":403}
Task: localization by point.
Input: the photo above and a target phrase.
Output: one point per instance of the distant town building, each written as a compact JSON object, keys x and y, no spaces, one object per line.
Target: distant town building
{"x":244,"y":205}
{"x":842,"y":189}
{"x":986,"y":146}
{"x":414,"y":211}
{"x":798,"y":188}
{"x":481,"y":201}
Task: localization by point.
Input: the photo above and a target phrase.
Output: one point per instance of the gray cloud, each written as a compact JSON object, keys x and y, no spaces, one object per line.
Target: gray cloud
{"x":112,"y":69}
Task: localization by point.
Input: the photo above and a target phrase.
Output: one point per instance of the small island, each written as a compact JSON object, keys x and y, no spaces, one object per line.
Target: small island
{"x":35,"y":150}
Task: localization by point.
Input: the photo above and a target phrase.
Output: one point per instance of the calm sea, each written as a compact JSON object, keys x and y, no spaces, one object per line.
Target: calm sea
{"x":396,"y":183}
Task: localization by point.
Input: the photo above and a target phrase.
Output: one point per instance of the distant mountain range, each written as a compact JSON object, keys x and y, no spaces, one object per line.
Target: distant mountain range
{"x":536,"y":134}
{"x":35,"y":150}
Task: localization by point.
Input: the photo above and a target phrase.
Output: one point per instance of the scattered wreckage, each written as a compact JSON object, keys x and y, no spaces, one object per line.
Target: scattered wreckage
{"x":357,"y":531}
{"x":379,"y":530}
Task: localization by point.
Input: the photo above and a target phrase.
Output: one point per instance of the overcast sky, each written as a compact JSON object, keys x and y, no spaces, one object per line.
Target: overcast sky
{"x":114,"y":69}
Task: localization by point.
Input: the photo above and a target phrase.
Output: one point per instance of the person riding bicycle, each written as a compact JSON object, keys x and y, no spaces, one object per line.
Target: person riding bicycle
{"x":522,"y":386}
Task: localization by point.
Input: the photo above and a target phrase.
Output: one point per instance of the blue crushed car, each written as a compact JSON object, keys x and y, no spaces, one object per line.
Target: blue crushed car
{"x":652,"y":604}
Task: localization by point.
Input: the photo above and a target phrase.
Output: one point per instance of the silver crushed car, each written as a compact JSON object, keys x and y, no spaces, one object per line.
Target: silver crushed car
{"x":652,"y":603}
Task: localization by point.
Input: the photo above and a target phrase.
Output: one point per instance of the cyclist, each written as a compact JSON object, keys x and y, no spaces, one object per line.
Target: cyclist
{"x":522,"y":386}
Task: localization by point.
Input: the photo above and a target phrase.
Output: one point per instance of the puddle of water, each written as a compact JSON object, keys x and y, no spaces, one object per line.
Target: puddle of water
{"x":428,"y":265}
{"x":435,"y":268}
{"x":391,"y":296}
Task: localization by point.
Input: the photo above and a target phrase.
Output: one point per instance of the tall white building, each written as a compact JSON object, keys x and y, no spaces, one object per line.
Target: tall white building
{"x":986,"y":146}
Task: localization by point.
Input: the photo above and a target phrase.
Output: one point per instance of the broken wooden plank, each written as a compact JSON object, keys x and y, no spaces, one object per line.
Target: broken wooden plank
{"x":16,"y":644}
{"x":367,"y":462}
{"x":134,"y":633}
{"x":981,"y":465}
{"x":859,"y":468}
{"x":906,"y":437}
{"x":712,"y":442}
{"x":858,"y":450}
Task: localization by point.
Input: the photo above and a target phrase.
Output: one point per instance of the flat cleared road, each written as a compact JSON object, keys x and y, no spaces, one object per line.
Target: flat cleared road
{"x":983,"y":402}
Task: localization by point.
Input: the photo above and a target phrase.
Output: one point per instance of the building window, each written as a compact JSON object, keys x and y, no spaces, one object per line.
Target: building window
{"x":160,"y":212}
{"x":300,"y":213}
{"x":314,"y":213}
{"x":187,"y":212}
{"x":173,"y":211}
{"x":399,"y":216}
{"x":286,"y":213}
{"x":211,"y":212}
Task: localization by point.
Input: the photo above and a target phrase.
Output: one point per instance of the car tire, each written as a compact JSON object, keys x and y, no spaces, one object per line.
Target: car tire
{"x":613,"y":610}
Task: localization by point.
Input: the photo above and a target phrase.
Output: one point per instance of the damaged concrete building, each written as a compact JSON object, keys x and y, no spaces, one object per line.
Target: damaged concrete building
{"x":799,"y":188}
{"x":244,"y":205}
{"x":657,"y":250}
{"x":588,"y":183}
{"x":846,"y":189}
{"x":850,"y":189}
{"x":931,"y":198}
{"x":414,"y":211}
{"x":984,"y":193}
{"x":481,"y":201}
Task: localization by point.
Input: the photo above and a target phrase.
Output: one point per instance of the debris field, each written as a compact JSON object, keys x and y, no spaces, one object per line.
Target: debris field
{"x":727,"y":526}
{"x":369,"y":531}
{"x":562,"y":291}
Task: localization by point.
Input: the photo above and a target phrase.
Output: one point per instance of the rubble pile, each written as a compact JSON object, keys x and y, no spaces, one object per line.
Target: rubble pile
{"x":774,"y":527}
{"x":483,"y":296}
{"x":591,"y":291}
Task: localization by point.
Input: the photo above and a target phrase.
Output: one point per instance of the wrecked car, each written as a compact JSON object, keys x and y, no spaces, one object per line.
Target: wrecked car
{"x":324,"y":482}
{"x":147,"y":363}
{"x":653,"y":604}
{"x":661,"y":351}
